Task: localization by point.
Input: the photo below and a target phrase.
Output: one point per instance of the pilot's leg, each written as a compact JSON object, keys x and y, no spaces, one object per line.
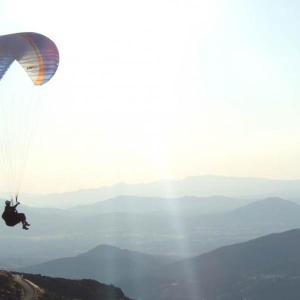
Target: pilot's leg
{"x":22,"y":218}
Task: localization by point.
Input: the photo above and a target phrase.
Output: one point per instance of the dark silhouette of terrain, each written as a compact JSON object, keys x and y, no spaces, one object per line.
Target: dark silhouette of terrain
{"x":9,"y":290}
{"x":66,"y":289}
{"x":57,"y":288}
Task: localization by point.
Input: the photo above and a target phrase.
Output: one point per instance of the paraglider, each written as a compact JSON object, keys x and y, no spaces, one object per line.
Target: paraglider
{"x":12,"y":217}
{"x":39,"y":57}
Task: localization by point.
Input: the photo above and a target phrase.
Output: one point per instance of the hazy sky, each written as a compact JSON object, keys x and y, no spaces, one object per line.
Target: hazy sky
{"x":162,"y":89}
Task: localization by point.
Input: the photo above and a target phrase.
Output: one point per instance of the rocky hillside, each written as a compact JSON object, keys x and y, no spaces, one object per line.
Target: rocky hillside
{"x":9,"y":289}
{"x":47,"y":288}
{"x":59,"y":288}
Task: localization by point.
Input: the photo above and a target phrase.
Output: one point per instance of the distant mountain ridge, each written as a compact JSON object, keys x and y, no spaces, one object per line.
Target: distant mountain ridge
{"x":55,"y":234}
{"x":276,"y":208}
{"x":265,"y":268}
{"x":103,"y":263}
{"x":181,"y":205}
{"x":200,"y":186}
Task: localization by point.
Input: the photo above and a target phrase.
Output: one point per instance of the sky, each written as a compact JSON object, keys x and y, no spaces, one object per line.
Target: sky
{"x":148,"y":90}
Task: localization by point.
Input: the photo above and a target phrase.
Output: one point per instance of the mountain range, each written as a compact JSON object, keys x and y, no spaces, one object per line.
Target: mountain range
{"x":57,"y":233}
{"x":103,"y":263}
{"x":264,"y":268}
{"x":200,"y":186}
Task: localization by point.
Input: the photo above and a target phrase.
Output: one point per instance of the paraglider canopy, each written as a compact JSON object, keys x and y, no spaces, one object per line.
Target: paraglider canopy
{"x":36,"y":53}
{"x":39,"y":57}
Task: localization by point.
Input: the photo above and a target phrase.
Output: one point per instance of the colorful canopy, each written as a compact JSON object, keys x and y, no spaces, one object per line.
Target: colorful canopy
{"x":36,"y":53}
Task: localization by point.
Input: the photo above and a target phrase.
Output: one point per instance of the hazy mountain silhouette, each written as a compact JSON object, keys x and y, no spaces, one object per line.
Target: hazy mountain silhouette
{"x":265,"y":268}
{"x":269,"y":210}
{"x":104,"y":263}
{"x":181,"y":205}
{"x":201,"y":186}
{"x":54,"y":235}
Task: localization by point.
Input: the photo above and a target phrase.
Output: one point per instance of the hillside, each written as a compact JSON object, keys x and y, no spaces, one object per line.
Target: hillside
{"x":265,"y":268}
{"x":9,"y":289}
{"x":104,"y":263}
{"x":66,"y":289}
{"x":270,"y":208}
{"x":267,"y":215}
{"x":47,"y":288}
